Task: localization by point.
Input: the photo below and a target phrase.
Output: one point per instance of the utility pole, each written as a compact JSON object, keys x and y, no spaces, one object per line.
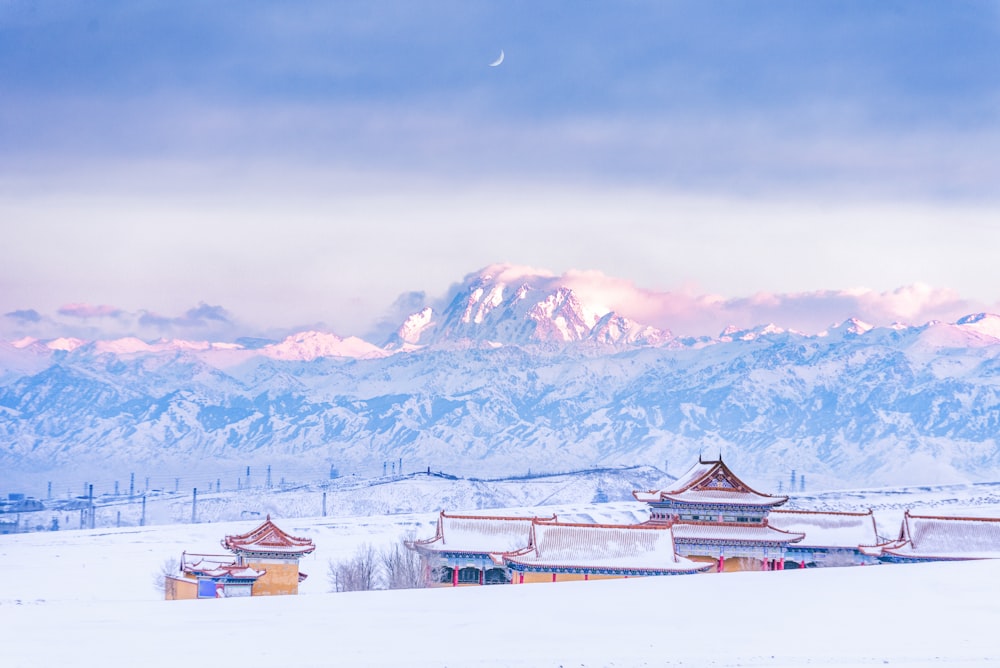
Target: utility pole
{"x":324,"y":504}
{"x":142,"y":520}
{"x":269,"y":476}
{"x":91,"y":494}
{"x":131,"y":485}
{"x":194,"y":506}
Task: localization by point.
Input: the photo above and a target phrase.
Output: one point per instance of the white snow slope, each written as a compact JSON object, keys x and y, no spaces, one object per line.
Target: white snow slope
{"x":86,"y":598}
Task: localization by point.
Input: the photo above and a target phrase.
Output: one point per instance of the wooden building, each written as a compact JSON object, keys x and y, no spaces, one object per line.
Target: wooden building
{"x":560,"y":552}
{"x":939,"y":538}
{"x":460,"y":551}
{"x":831,"y":538}
{"x":718,"y":518}
{"x":267,"y":548}
{"x":266,"y":564}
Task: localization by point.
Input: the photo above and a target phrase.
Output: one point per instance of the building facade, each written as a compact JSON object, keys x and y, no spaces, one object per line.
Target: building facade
{"x":266,"y":563}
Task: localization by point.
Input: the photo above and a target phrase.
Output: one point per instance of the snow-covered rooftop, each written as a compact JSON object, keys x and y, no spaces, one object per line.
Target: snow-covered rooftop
{"x":827,"y":529}
{"x":479,"y":533}
{"x":603,"y":546}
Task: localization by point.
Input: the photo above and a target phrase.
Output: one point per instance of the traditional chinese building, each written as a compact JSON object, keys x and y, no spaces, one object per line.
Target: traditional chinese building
{"x":831,"y":538}
{"x":560,"y":552}
{"x":937,"y":538}
{"x":716,"y":517}
{"x":460,"y":551}
{"x":266,"y":564}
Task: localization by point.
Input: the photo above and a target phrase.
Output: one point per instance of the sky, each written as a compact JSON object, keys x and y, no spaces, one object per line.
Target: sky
{"x":253,"y":169}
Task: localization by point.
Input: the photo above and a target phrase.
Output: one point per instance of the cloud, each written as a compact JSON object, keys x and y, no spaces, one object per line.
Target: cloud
{"x":25,"y":316}
{"x":89,"y":311}
{"x":693,"y":313}
{"x":198,"y":316}
{"x":202,"y":316}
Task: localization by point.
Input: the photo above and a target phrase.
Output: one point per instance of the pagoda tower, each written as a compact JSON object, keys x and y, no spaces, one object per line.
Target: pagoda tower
{"x":716,"y":516}
{"x":269,"y":549}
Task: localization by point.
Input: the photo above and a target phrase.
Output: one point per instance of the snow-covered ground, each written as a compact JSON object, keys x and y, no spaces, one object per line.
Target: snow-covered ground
{"x":86,"y":598}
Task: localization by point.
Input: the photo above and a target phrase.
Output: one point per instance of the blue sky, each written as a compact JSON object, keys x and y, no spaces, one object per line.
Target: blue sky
{"x":299,"y":164}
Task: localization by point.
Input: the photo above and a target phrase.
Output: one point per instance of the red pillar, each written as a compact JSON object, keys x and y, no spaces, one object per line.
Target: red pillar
{"x":553,"y":577}
{"x":586,"y":576}
{"x":781,"y":564}
{"x":802,"y":564}
{"x":482,"y":576}
{"x":454,"y":577}
{"x":722,"y":564}
{"x":520,"y":578}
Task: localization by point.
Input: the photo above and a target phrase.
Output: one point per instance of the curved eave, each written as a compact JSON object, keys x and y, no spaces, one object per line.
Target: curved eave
{"x":270,"y":554}
{"x":762,"y":500}
{"x":521,"y":566}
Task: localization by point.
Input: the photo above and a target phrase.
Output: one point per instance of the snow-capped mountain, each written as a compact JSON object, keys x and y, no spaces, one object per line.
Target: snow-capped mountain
{"x":509,"y":305}
{"x":517,"y":371}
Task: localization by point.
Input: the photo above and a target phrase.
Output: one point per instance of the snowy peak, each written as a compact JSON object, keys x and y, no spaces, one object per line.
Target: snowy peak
{"x":307,"y":346}
{"x":614,"y":329}
{"x":515,"y":305}
{"x":986,"y":324}
{"x":733,"y":333}
{"x":414,"y":326}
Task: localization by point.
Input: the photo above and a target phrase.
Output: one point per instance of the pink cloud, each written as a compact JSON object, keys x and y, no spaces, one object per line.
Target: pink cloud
{"x":690,"y":313}
{"x":89,"y":311}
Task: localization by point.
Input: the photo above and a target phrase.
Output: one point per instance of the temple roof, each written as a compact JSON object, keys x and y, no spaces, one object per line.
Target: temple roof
{"x":634,"y":547}
{"x":733,"y":532}
{"x":711,"y":482}
{"x":936,"y":537}
{"x":217,"y":566}
{"x":827,"y":529}
{"x":481,"y":534}
{"x":268,"y":539}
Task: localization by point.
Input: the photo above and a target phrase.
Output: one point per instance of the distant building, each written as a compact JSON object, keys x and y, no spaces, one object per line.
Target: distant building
{"x":561,"y":552}
{"x":266,"y":564}
{"x":937,"y":538}
{"x":460,"y":552}
{"x":831,"y":538}
{"x":717,"y":518}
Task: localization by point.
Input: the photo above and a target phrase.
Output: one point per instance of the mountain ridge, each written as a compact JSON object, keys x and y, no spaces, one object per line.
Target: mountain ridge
{"x":510,"y":376}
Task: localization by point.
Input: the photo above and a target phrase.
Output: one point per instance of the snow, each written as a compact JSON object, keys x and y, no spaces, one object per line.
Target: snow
{"x":85,"y":598}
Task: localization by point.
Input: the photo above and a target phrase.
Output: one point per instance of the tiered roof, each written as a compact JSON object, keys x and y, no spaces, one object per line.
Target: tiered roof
{"x":479,"y":534}
{"x":641,"y":549}
{"x":827,"y":529}
{"x":711,"y":482}
{"x":268,"y":539}
{"x":930,"y":537}
{"x":733,"y":532}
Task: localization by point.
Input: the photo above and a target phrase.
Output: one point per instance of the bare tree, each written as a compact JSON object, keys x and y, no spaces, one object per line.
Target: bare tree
{"x":169,"y":567}
{"x":402,"y":567}
{"x":360,"y":573}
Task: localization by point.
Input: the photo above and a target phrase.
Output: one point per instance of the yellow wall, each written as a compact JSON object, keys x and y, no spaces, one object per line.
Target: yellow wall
{"x":179,"y":589}
{"x":732,"y":565}
{"x":280,"y":578}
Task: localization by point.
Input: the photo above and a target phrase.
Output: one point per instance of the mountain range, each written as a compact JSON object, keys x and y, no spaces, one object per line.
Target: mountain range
{"x":519,"y":374}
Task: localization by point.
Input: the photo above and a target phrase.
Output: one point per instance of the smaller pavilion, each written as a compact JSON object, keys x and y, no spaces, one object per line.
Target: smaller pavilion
{"x":560,"y":552}
{"x":266,"y":564}
{"x":460,"y":551}
{"x":716,"y":517}
{"x":937,"y":538}
{"x":270,"y":549}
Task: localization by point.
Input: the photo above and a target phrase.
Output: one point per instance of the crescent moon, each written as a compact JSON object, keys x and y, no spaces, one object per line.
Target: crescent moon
{"x":498,"y":60}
